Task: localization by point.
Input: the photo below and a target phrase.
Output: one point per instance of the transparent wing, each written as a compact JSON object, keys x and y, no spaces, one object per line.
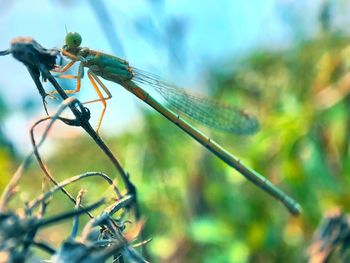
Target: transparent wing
{"x":204,"y":110}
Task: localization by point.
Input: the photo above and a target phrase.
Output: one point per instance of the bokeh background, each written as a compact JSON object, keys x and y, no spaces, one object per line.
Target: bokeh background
{"x":285,"y":61}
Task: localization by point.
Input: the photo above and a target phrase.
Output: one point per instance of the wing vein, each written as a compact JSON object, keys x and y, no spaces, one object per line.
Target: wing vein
{"x":202,"y":109}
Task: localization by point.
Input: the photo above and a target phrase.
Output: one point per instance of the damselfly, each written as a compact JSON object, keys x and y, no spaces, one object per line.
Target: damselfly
{"x":204,"y":110}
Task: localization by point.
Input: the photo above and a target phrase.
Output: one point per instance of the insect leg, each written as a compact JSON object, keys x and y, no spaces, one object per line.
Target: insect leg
{"x":78,"y":77}
{"x":96,"y":78}
{"x":65,"y":68}
{"x":93,"y":79}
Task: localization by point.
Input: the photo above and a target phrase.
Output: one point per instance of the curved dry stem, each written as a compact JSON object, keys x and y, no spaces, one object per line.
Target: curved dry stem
{"x":53,"y":119}
{"x":34,"y":203}
{"x":10,"y":188}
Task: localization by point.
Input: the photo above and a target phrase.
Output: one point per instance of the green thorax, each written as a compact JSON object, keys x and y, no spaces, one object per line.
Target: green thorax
{"x":107,"y":66}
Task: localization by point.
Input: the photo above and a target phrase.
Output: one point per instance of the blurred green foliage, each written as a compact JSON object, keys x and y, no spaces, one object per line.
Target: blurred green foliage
{"x":197,"y":209}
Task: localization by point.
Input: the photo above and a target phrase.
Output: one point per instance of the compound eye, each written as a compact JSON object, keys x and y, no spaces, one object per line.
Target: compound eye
{"x":73,"y":40}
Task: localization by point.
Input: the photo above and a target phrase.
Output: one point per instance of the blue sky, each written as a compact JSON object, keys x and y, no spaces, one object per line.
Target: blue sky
{"x":216,"y":32}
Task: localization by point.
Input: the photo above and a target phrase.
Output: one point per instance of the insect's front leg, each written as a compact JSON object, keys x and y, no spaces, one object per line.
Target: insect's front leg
{"x":78,"y":77}
{"x":59,"y":69}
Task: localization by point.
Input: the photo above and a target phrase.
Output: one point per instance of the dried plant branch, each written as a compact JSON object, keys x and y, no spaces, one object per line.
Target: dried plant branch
{"x":39,"y":61}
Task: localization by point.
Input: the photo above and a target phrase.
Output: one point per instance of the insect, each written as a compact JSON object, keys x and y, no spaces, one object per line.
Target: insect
{"x":204,"y":110}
